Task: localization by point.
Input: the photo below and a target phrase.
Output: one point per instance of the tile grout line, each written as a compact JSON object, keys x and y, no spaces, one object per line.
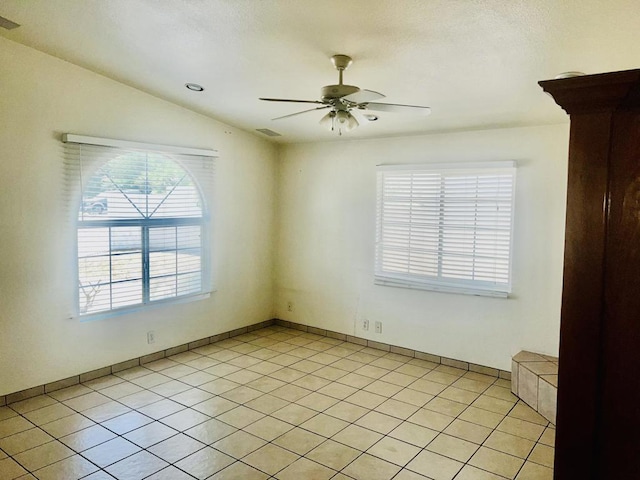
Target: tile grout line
{"x":386,"y":435}
{"x":122,"y":435}
{"x":304,"y":374}
{"x":336,"y":433}
{"x":378,"y":378}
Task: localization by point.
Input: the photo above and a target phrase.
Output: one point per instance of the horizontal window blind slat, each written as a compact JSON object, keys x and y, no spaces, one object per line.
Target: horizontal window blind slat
{"x":446,"y":224}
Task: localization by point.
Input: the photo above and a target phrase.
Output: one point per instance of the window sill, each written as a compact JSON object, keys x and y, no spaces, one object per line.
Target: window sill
{"x":89,"y":317}
{"x":413,"y":285}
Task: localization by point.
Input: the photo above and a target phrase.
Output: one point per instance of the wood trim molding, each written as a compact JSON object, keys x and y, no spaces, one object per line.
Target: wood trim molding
{"x":596,"y":93}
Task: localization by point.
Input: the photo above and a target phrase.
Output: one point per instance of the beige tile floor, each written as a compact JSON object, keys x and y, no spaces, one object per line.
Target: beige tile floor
{"x":279,"y":404}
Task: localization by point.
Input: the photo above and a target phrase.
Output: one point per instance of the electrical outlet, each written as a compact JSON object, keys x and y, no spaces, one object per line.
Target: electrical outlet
{"x":289,"y":306}
{"x":365,"y":324}
{"x":378,"y":327}
{"x":151,"y":337}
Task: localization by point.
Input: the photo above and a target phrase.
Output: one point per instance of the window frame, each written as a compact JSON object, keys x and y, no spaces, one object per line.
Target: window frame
{"x":145,"y":225}
{"x":77,"y":179}
{"x":439,"y":282}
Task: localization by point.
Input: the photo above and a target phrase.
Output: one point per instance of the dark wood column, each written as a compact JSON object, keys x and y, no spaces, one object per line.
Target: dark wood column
{"x":598,"y":418}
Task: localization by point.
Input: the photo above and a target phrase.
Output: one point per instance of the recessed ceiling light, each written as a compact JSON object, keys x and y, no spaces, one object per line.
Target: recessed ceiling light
{"x":370,"y":117}
{"x":194,"y":87}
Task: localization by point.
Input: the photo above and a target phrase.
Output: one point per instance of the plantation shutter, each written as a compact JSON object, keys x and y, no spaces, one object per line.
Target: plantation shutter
{"x":444,"y":227}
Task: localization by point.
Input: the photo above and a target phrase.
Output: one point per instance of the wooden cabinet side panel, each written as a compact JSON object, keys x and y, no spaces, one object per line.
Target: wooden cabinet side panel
{"x":620,"y":419}
{"x":582,"y":298}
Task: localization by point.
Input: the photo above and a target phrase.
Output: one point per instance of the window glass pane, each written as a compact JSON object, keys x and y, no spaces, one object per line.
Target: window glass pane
{"x":189,"y":261}
{"x":94,"y":297}
{"x":93,"y":270}
{"x":163,"y":287}
{"x":93,"y":241}
{"x":162,"y":263}
{"x":189,"y":237}
{"x":126,"y":293}
{"x":140,"y":185}
{"x":94,"y":205}
{"x":126,"y":266}
{"x":189,"y":283}
{"x":126,"y":239}
{"x":162,"y":239}
{"x":182,"y":200}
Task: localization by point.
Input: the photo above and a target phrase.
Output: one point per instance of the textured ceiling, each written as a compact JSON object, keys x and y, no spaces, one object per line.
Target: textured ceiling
{"x":475,"y":62}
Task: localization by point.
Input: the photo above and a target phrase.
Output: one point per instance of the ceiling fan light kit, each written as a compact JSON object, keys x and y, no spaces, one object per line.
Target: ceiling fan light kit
{"x":342,"y":99}
{"x":340,"y":120}
{"x":327,"y":120}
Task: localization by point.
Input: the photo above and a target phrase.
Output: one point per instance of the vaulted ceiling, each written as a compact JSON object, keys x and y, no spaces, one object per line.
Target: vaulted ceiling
{"x":476,"y":63}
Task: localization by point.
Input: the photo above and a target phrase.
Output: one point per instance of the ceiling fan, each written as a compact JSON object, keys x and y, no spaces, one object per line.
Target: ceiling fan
{"x":345,"y":102}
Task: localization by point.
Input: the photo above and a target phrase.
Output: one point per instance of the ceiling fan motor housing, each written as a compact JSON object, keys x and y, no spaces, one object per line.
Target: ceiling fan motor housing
{"x":331,"y":92}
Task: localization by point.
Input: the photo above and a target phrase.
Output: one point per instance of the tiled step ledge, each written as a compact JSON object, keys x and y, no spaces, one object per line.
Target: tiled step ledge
{"x":534,"y":378}
{"x":84,"y":377}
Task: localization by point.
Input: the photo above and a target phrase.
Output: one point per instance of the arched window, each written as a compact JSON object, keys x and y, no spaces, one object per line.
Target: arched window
{"x":142,"y":227}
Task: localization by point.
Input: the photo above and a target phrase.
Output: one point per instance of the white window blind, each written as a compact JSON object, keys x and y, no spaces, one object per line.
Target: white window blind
{"x":444,"y":227}
{"x":142,"y":222}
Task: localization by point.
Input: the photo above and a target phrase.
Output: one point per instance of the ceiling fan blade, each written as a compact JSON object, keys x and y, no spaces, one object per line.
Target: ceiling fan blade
{"x":290,"y":100}
{"x":299,"y":113}
{"x":363,"y":96}
{"x":360,"y":116}
{"x":397,"y":108}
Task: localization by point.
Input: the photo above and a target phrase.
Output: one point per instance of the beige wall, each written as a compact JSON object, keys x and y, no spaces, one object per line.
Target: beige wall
{"x":42,"y":97}
{"x":298,"y":230}
{"x":325,"y":250}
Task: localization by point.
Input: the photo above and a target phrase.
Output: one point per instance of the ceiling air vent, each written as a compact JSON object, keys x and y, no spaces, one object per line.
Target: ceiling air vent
{"x":8,"y":24}
{"x":269,"y":133}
